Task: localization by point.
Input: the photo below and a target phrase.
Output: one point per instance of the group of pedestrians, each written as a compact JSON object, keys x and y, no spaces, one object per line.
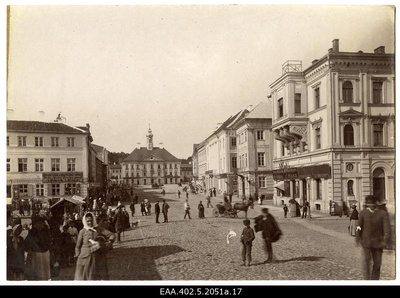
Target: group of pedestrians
{"x":36,"y":257}
{"x":270,"y":230}
{"x":163,"y":209}
{"x":371,"y":229}
{"x":145,"y":207}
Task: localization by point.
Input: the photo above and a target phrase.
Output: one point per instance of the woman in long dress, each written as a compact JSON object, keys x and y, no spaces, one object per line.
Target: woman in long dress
{"x":37,"y":244}
{"x":353,"y":221}
{"x":91,"y":249}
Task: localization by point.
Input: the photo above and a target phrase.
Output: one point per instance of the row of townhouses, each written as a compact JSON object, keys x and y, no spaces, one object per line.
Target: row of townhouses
{"x":325,"y":135}
{"x":53,"y":160}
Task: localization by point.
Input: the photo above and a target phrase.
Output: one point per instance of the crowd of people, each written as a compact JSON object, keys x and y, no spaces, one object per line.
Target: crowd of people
{"x":54,"y":242}
{"x":82,"y":238}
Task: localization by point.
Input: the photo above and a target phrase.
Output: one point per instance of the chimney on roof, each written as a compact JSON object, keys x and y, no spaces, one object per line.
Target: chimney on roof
{"x":380,"y":50}
{"x":335,"y":45}
{"x":218,"y":126}
{"x":249,"y":107}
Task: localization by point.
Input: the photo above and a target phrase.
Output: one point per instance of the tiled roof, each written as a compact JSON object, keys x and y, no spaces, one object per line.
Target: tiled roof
{"x":261,"y":111}
{"x":45,"y":127}
{"x":97,"y":148}
{"x":141,"y":154}
{"x":228,"y":122}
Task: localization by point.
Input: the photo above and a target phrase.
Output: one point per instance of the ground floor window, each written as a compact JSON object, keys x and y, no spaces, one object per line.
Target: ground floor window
{"x":9,"y":191}
{"x":23,"y":190}
{"x":55,"y":189}
{"x":319,"y":189}
{"x":262,"y":182}
{"x":70,"y":188}
{"x":286,"y":192}
{"x":378,"y":184}
{"x":40,"y":190}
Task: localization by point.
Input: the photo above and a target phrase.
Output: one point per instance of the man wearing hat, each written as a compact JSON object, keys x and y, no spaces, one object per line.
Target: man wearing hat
{"x":373,"y":233}
{"x":271,"y":232}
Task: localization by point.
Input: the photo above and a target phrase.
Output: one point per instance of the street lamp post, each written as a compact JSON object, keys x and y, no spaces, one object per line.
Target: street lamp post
{"x":309,"y":195}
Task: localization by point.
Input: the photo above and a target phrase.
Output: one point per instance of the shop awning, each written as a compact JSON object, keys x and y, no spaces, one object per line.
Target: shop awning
{"x":77,"y":200}
{"x":280,"y":185}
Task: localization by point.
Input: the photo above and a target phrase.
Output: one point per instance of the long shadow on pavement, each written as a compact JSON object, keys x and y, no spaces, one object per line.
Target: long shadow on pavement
{"x":310,"y":259}
{"x":138,"y":263}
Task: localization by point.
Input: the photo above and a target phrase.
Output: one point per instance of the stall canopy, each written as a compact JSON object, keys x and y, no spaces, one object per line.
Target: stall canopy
{"x":280,"y":185}
{"x":77,"y":200}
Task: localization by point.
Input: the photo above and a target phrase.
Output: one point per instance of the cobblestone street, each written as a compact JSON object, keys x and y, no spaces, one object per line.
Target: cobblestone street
{"x":196,"y":249}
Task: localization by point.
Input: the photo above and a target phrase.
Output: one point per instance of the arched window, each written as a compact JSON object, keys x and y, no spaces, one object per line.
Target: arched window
{"x":347,"y":92}
{"x":378,"y":184}
{"x":350,"y":185}
{"x":348,"y":133}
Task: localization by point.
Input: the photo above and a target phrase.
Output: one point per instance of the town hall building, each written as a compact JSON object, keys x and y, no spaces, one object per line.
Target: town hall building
{"x":150,"y":165}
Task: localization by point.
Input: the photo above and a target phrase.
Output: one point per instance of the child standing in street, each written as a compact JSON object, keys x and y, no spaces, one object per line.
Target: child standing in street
{"x":285,"y":210}
{"x":247,"y":238}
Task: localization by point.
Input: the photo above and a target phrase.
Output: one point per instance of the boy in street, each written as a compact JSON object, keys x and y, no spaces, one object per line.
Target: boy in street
{"x":285,"y":210}
{"x":247,"y":238}
{"x":209,"y":202}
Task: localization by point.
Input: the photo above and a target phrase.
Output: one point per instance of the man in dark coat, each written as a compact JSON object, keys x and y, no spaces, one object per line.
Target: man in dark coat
{"x":270,"y":231}
{"x":373,"y":233}
{"x":165,"y":208}
{"x":132,"y":207}
{"x":157,"y":211}
{"x":121,"y":221}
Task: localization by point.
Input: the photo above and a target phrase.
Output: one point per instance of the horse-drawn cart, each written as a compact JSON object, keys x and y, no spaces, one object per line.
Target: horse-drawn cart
{"x":220,"y":210}
{"x":227,"y":210}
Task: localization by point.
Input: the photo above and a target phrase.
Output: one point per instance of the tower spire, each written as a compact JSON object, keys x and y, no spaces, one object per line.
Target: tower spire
{"x":149,"y":137}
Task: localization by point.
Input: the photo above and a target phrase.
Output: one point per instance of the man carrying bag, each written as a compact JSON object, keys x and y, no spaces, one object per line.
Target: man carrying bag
{"x":271,"y":232}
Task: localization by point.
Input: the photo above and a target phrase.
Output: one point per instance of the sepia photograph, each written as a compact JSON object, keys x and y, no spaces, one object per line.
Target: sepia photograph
{"x":218,"y":145}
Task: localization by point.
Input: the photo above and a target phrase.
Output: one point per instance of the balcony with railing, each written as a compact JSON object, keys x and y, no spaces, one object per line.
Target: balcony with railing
{"x":292,"y":66}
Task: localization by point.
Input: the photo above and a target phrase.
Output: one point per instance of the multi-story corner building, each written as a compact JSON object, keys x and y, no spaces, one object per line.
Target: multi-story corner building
{"x":101,"y":153}
{"x":216,"y":157}
{"x":115,"y":174}
{"x":150,"y":165}
{"x":46,"y":160}
{"x":236,"y":157}
{"x":186,"y":170}
{"x":102,"y":156}
{"x":254,"y":143}
{"x":199,"y":161}
{"x":333,"y":126}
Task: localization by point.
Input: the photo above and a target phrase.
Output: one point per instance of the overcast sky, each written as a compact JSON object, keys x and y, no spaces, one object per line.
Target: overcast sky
{"x":182,"y":69}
